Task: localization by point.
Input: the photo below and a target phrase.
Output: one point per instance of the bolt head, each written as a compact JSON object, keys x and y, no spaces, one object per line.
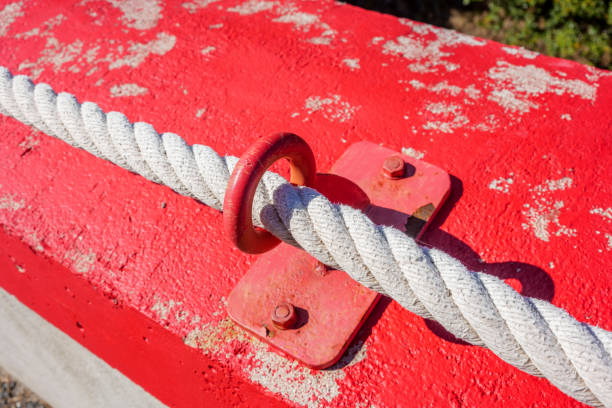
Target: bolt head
{"x":319,"y":267}
{"x":393,"y":167}
{"x":284,"y":316}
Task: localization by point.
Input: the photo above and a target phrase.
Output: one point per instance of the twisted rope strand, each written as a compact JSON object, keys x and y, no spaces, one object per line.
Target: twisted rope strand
{"x":530,"y":334}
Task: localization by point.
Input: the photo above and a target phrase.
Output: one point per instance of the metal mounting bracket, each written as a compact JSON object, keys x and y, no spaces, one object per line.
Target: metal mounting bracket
{"x":308,"y":311}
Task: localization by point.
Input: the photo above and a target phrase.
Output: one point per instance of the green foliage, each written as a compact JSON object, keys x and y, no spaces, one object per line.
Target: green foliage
{"x":575,"y":29}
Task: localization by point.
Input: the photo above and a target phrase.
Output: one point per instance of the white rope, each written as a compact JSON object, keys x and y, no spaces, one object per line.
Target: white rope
{"x":530,"y":334}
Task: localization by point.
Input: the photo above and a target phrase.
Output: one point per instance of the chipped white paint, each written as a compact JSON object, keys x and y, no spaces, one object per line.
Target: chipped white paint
{"x":409,"y":151}
{"x":530,"y":81}
{"x":195,"y":5}
{"x":472,"y":92}
{"x":138,"y":52}
{"x":9,"y":202}
{"x":490,"y":124}
{"x":605,"y":213}
{"x":164,"y":308}
{"x":276,"y":373}
{"x":427,"y":55}
{"x":252,"y":7}
{"x":609,"y":239}
{"x":543,"y":214}
{"x":450,"y":115}
{"x":520,"y":52}
{"x":305,"y":22}
{"x":502,"y":184}
{"x":30,"y":141}
{"x":45,"y":30}
{"x":170,"y":311}
{"x":90,"y":55}
{"x":333,"y":108}
{"x":377,"y":40}
{"x":139,"y":14}
{"x":294,"y":382}
{"x":55,"y":54}
{"x":445,"y":88}
{"x":542,"y":217}
{"x":409,"y":48}
{"x":208,"y":50}
{"x":566,"y":116}
{"x":364,"y":405}
{"x":215,"y":26}
{"x":200,"y":112}
{"x":595,"y":73}
{"x":448,"y":37}
{"x":127,"y":90}
{"x":99,"y":18}
{"x":553,"y":185}
{"x":299,"y":19}
{"x":58,"y":55}
{"x":416,"y":84}
{"x":33,"y":241}
{"x":82,"y":262}
{"x":507,"y":100}
{"x":8,"y":15}
{"x":352,"y":63}
{"x":326,"y":36}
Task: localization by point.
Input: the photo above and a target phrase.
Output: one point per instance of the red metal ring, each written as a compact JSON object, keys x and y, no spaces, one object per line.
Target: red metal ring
{"x":238,"y":203}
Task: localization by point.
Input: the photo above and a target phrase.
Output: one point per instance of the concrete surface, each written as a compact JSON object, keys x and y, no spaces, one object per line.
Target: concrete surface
{"x":138,"y":275}
{"x":13,"y":394}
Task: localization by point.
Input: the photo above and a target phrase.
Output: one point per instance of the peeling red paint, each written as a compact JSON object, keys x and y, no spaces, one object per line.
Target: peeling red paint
{"x":482,"y":111}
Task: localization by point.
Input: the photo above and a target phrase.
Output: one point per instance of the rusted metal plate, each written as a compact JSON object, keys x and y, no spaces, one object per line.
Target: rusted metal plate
{"x":330,"y":306}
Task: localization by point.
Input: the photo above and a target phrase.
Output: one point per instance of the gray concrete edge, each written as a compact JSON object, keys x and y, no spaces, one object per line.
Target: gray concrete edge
{"x":58,"y":368}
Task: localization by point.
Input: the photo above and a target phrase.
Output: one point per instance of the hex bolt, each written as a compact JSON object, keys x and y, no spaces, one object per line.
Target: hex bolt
{"x":284,"y":316}
{"x":393,"y":167}
{"x":319,"y":267}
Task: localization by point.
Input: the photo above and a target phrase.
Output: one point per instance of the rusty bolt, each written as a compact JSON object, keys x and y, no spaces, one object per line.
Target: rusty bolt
{"x":319,"y":267}
{"x":393,"y":167}
{"x":284,"y":316}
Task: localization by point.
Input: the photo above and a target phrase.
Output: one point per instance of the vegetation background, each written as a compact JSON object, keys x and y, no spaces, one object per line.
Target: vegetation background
{"x":575,"y":29}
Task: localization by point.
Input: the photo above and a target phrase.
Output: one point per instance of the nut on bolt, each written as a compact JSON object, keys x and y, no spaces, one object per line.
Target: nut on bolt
{"x":284,"y":316}
{"x":393,"y":167}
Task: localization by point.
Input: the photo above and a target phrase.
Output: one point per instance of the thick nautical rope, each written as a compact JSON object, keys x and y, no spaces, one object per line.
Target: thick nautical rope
{"x":531,"y":334}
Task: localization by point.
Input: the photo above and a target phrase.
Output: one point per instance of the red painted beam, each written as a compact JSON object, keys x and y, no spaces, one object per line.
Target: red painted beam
{"x":137,"y":346}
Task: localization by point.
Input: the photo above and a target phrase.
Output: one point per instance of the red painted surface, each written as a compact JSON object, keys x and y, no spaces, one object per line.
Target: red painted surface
{"x":525,"y":137}
{"x":137,"y":346}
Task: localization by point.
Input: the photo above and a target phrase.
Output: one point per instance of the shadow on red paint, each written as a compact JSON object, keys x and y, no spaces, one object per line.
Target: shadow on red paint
{"x":527,"y":279}
{"x":363,"y":334}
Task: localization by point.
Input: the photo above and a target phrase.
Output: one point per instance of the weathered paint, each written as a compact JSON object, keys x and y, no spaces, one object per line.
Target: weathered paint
{"x":144,"y":271}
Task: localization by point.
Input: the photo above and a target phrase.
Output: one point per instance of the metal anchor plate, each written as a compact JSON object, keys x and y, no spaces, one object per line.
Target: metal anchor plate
{"x":329,"y":306}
